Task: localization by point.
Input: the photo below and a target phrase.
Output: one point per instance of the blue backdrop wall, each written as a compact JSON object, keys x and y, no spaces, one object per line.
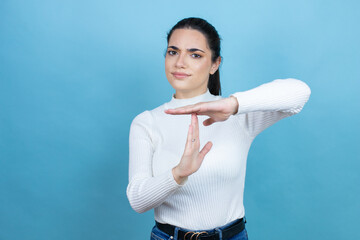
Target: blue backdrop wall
{"x":73,"y":75}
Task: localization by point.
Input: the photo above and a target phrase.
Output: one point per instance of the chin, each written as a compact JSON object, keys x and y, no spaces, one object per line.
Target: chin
{"x":180,"y":85}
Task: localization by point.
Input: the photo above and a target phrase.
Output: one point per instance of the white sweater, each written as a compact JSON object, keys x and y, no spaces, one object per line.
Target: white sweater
{"x":212,"y":196}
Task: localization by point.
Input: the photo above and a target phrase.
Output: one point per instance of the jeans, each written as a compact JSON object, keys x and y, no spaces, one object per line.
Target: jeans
{"x":157,"y":234}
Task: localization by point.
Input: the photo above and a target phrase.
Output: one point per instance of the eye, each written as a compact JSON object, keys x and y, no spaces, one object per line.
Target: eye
{"x":171,"y":52}
{"x":194,"y":55}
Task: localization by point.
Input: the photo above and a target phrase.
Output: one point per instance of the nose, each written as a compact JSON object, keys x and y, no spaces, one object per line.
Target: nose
{"x":180,"y":61}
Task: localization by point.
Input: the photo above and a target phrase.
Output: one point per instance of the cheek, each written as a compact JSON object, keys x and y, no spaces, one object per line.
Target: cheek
{"x":168,"y":64}
{"x":168,"y":69}
{"x":202,"y":68}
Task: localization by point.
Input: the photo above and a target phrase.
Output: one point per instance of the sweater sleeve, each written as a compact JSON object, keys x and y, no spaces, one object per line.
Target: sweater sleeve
{"x":270,"y":102}
{"x":145,"y":191}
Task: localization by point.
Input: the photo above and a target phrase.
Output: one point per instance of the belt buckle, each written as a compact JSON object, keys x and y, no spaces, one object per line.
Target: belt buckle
{"x":194,"y":234}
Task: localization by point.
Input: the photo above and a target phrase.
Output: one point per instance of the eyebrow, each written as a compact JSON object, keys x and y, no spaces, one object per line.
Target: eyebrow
{"x":190,"y":49}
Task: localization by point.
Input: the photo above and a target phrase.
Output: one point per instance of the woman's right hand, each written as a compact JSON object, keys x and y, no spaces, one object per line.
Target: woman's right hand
{"x":192,"y":158}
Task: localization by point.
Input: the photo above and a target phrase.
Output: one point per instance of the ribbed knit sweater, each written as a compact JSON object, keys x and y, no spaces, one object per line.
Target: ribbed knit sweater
{"x":212,"y":196}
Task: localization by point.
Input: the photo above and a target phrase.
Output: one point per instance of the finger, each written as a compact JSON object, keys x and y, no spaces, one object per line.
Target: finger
{"x":195,"y":122}
{"x":189,"y":137}
{"x":178,"y":111}
{"x":205,"y":150}
{"x":195,"y":136}
{"x":208,"y":122}
{"x":183,"y":110}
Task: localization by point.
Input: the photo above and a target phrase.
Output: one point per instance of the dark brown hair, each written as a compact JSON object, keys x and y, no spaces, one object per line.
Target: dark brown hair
{"x":213,"y":40}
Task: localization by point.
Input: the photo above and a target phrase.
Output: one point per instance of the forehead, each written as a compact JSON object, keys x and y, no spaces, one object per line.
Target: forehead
{"x":188,"y":38}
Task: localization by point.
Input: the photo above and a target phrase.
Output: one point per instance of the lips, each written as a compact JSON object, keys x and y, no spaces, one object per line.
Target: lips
{"x":180,"y":75}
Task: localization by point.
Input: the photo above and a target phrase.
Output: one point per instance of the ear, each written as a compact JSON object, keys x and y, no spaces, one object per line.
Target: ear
{"x":215,"y":65}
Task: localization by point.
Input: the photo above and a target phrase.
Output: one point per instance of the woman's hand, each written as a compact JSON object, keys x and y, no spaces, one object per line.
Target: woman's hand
{"x":219,"y":110}
{"x":192,"y":158}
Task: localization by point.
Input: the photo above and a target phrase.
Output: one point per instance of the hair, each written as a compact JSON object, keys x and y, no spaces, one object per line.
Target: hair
{"x":213,"y":40}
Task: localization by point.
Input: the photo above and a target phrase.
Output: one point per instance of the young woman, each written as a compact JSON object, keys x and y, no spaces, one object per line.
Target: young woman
{"x":193,"y":174}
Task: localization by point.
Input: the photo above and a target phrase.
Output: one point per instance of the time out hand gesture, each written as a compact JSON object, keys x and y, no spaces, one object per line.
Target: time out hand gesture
{"x":218,"y":110}
{"x":192,"y":158}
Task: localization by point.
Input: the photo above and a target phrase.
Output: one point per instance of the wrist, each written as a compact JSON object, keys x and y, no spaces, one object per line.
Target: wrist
{"x":178,"y":177}
{"x":235,"y":104}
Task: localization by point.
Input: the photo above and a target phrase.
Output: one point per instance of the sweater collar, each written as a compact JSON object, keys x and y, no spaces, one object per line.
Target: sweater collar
{"x":175,"y":102}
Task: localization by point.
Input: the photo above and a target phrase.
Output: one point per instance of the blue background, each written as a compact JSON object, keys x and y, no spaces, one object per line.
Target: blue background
{"x":73,"y":75}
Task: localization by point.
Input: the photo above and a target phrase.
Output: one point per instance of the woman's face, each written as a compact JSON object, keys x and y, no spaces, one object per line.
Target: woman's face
{"x":188,"y":63}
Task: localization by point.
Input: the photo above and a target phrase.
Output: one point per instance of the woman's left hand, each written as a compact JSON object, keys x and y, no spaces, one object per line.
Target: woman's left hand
{"x":219,"y":110}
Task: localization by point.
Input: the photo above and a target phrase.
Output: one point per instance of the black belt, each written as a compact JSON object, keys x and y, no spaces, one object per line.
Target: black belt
{"x":228,"y":232}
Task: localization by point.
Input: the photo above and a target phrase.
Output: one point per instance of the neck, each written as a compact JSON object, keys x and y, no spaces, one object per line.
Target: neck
{"x":179,"y":102}
{"x":189,"y":94}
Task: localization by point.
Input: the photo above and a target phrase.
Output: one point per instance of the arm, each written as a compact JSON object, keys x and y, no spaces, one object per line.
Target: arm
{"x":271,"y":102}
{"x":145,"y":191}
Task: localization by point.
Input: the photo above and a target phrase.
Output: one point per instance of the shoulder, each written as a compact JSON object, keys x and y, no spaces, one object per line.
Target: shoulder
{"x":218,"y":97}
{"x":141,"y":117}
{"x":141,"y":126}
{"x":147,"y":117}
{"x":144,"y":126}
